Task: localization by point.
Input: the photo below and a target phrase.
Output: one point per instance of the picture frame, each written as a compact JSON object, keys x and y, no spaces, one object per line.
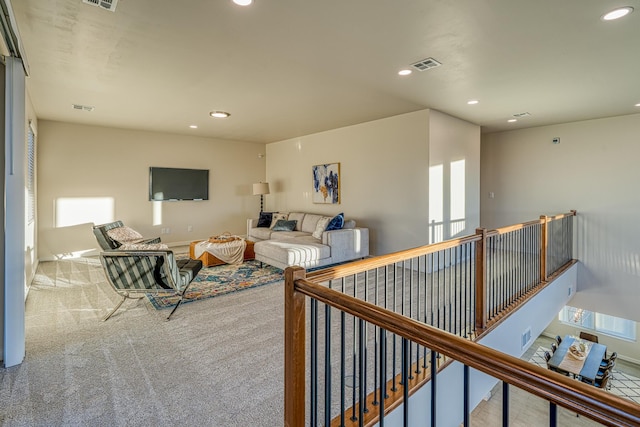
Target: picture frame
{"x":326,"y":184}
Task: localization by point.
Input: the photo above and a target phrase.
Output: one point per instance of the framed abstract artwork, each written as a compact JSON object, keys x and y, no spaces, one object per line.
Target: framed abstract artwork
{"x":326,"y":183}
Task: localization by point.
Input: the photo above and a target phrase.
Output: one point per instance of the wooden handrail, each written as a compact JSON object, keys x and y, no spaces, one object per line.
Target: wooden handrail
{"x":354,"y":267}
{"x":581,"y":398}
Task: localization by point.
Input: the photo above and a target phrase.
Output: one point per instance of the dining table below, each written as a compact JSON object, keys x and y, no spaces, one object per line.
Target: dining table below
{"x":587,"y":369}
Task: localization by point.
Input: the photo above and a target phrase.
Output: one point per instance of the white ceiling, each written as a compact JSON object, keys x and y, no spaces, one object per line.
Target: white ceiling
{"x":285,"y":68}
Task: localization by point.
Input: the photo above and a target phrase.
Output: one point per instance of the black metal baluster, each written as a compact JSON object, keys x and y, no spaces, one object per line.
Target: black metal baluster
{"x":466,"y":395}
{"x":363,"y":375}
{"x":376,"y":386}
{"x":343,"y":369}
{"x":394,"y":352}
{"x":553,"y":415}
{"x":405,"y":379}
{"x":314,"y":363}
{"x":327,"y":365}
{"x":383,"y":376}
{"x":434,"y":372}
{"x":505,"y":404}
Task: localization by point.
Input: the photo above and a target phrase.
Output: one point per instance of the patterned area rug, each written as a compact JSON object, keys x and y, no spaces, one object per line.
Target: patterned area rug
{"x":623,"y":385}
{"x":221,"y":280}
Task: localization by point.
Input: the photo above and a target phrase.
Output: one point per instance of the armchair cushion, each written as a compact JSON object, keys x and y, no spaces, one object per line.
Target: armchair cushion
{"x":124,"y":234}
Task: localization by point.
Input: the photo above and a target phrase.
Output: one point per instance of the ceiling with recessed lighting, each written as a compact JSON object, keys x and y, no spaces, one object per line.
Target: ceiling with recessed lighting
{"x":288,"y":68}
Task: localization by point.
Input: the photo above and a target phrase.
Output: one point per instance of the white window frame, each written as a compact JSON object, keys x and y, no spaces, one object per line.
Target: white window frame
{"x":594,"y":321}
{"x":31,"y":174}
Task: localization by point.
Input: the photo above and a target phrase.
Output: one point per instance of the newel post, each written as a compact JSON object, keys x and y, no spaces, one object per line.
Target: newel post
{"x":481,"y":279}
{"x":544,"y":240}
{"x":294,"y":348}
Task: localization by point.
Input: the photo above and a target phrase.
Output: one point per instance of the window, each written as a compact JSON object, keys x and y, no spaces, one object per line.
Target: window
{"x":603,"y":323}
{"x":31,"y":160}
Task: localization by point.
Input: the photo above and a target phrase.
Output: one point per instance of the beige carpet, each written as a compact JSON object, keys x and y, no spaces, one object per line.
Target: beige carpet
{"x":218,"y":362}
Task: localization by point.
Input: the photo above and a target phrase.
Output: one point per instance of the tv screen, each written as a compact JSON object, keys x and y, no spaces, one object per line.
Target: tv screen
{"x":178,"y":184}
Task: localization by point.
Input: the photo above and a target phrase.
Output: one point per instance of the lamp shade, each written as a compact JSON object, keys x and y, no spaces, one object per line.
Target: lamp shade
{"x":260,"y":188}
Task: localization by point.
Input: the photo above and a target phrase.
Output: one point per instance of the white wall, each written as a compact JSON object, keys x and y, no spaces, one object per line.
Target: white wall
{"x":594,"y":170}
{"x":86,"y":162}
{"x":384,"y":166}
{"x":456,"y":204}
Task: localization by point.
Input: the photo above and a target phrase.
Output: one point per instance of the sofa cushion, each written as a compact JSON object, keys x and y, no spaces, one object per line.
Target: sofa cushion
{"x":276,"y":216}
{"x":261,"y":233}
{"x":284,"y":225}
{"x":124,"y":234}
{"x":310,"y":222}
{"x":298,"y":216}
{"x":126,"y":246}
{"x":292,"y":251}
{"x":336,"y":222}
{"x":283,"y":235}
{"x":349,"y":224}
{"x":265,"y":219}
{"x":321,"y":226}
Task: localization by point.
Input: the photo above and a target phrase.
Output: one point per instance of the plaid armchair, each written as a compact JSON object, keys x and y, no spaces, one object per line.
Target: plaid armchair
{"x":148,"y":272}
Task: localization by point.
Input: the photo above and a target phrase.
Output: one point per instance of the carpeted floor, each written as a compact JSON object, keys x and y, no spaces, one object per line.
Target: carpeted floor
{"x":222,"y":279}
{"x":622,"y":384}
{"x":217,"y":362}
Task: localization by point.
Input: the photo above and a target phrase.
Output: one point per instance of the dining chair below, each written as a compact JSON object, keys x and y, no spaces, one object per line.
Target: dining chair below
{"x":559,"y":339}
{"x":606,"y":361}
{"x":589,"y":337}
{"x":603,"y":382}
{"x":554,"y":347}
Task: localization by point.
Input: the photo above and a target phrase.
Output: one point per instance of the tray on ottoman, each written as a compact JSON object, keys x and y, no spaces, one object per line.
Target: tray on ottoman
{"x":209,"y":260}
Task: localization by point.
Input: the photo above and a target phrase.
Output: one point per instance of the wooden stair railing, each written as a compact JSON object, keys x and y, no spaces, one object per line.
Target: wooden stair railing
{"x":576,"y":396}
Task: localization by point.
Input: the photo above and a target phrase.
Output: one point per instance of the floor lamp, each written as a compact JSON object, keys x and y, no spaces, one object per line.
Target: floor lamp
{"x":261,"y":188}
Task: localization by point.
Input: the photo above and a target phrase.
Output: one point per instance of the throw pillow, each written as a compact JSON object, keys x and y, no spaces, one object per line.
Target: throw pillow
{"x":276,"y":216}
{"x":265,"y":219}
{"x":284,"y":225}
{"x":143,"y":246}
{"x":336,"y":222}
{"x":124,"y":234}
{"x":321,"y":226}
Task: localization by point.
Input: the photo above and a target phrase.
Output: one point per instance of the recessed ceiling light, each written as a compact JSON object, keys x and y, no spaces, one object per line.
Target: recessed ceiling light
{"x":193,"y":126}
{"x":243,"y":2}
{"x":638,"y":104}
{"x":617,"y":13}
{"x":472,"y":102}
{"x":404,"y":72}
{"x":512,"y":120}
{"x":219,"y":114}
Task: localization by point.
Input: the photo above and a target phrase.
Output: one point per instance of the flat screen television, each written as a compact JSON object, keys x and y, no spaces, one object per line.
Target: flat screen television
{"x":178,"y":184}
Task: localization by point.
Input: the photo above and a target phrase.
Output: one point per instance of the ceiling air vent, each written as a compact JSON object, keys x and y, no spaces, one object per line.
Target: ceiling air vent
{"x":103,"y":4}
{"x":82,"y":107}
{"x":425,"y":64}
{"x":518,"y":115}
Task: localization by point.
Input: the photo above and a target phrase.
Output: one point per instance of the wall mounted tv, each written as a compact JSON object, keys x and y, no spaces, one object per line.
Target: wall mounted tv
{"x":178,"y":184}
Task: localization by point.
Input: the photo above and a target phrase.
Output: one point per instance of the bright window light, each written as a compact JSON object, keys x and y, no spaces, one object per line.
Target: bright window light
{"x":72,"y":211}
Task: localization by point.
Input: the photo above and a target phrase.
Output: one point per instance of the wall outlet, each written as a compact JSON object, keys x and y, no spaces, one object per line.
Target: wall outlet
{"x":168,"y":230}
{"x":189,"y":228}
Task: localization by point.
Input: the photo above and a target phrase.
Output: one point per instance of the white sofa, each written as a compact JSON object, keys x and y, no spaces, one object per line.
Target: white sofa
{"x":282,"y":249}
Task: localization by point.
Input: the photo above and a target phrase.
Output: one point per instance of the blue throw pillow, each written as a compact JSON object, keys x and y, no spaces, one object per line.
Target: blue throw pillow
{"x":265,"y":219}
{"x":336,"y":223}
{"x":284,"y":225}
